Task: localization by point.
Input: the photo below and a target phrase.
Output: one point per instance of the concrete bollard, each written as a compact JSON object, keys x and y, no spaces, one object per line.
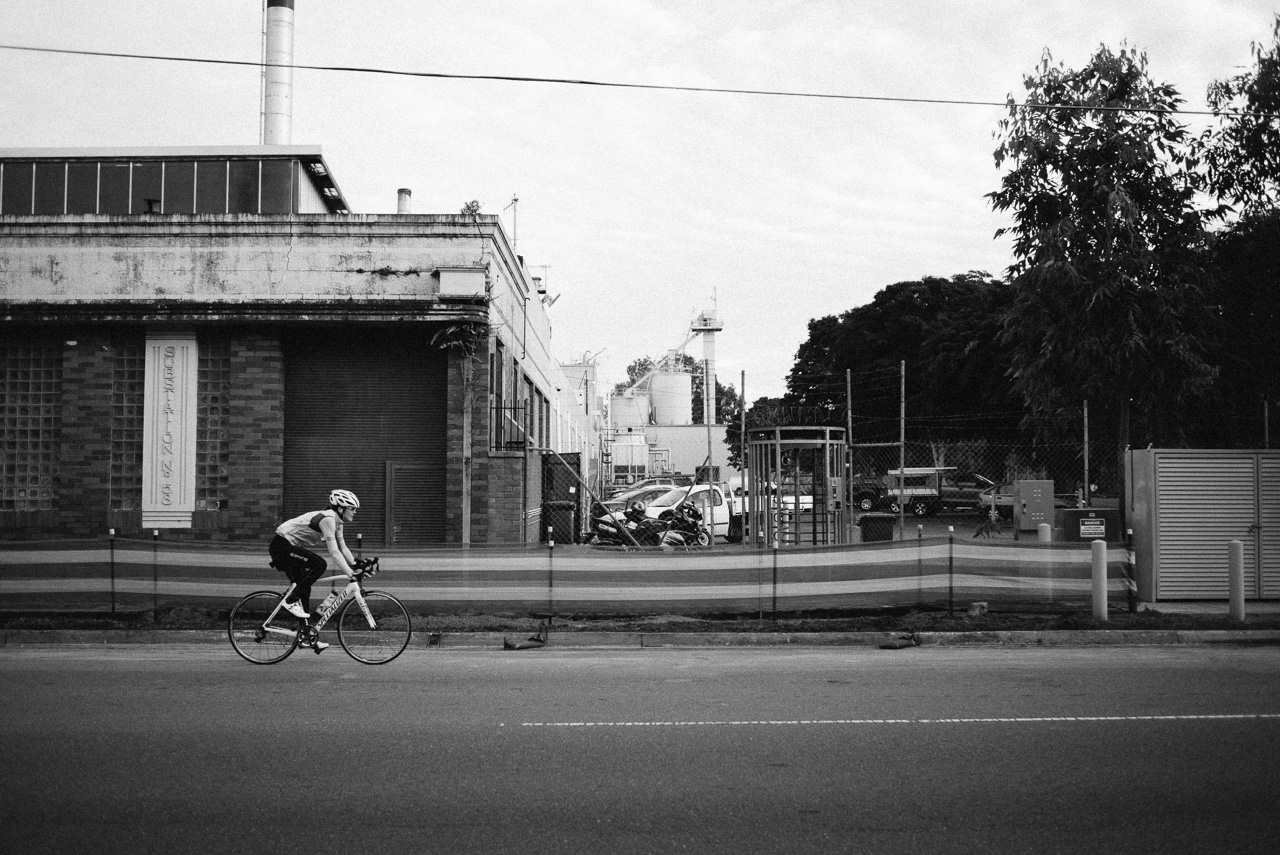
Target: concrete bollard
{"x":1044,"y":533}
{"x":1235,"y":578}
{"x":1100,"y":579}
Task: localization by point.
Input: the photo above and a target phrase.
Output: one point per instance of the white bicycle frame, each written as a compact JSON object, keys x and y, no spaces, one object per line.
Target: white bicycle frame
{"x":352,"y":589}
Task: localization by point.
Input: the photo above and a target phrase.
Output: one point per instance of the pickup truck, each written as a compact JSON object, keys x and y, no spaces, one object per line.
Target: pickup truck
{"x":721,"y":510}
{"x":925,"y":490}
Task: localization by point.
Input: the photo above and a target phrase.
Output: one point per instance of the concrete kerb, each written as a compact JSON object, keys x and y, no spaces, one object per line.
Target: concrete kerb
{"x":670,"y":640}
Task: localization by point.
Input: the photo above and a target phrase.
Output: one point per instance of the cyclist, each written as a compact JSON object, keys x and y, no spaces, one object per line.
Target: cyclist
{"x":292,"y":550}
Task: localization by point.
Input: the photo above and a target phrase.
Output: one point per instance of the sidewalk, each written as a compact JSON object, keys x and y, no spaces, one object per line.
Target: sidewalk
{"x":560,"y":637}
{"x":18,"y":638}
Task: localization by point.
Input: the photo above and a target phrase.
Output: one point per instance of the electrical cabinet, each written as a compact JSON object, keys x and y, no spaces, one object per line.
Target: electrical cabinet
{"x":1032,"y":504}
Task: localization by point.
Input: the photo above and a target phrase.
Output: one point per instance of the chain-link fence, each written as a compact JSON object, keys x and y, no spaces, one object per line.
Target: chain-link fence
{"x":969,"y":474}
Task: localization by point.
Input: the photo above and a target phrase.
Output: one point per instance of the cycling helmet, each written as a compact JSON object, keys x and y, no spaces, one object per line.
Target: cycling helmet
{"x":344,"y":499}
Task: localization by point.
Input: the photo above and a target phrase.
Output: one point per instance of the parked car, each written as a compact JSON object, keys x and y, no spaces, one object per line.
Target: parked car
{"x":867,"y":493}
{"x":667,"y":482}
{"x":1001,"y":495}
{"x":643,"y":495}
{"x":717,"y":507}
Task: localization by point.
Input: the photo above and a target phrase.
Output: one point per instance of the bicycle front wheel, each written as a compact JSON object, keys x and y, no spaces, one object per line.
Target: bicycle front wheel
{"x":379,"y":636}
{"x":250,"y":635}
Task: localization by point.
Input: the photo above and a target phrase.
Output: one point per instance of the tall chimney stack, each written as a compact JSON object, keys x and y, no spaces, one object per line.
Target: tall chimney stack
{"x":403,"y":205}
{"x":277,"y":93}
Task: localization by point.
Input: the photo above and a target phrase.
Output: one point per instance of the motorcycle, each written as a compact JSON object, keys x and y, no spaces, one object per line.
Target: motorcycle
{"x":671,"y":529}
{"x":610,"y":529}
{"x":683,"y":527}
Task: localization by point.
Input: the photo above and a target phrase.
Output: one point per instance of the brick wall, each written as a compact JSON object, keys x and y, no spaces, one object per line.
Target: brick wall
{"x":497,"y":478}
{"x":256,"y":438}
{"x":84,"y":469}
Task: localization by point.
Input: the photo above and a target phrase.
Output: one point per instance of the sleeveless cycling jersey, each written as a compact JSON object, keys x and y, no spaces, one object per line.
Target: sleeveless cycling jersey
{"x":304,"y":531}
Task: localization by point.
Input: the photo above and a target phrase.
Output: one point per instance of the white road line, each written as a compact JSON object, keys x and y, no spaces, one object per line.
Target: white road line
{"x":799,"y":722}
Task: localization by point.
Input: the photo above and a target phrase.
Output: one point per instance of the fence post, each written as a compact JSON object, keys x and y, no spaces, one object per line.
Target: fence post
{"x":1235,"y":578}
{"x":111,"y":540}
{"x":551,"y":572}
{"x":775,"y":581}
{"x":1099,"y":579}
{"x":920,"y":565}
{"x":951,"y":569}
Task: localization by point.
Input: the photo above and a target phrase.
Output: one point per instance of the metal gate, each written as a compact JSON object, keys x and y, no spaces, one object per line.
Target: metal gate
{"x":796,"y":486}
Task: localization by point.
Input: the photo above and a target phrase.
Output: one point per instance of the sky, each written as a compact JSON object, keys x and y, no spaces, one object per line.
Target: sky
{"x":640,"y":208}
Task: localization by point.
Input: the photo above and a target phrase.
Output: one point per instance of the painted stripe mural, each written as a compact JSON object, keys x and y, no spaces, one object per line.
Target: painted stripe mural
{"x":97,"y":574}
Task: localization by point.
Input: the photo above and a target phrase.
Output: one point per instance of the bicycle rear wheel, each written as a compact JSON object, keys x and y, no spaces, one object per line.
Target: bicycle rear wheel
{"x":380,"y":642}
{"x":251,"y":639}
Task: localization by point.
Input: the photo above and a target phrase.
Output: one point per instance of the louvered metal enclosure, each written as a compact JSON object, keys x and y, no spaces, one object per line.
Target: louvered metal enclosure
{"x":1187,"y":505}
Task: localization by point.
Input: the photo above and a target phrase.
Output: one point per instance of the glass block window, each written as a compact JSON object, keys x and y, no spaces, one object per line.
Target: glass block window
{"x":30,"y":406}
{"x":212,"y":422}
{"x":127,"y":376}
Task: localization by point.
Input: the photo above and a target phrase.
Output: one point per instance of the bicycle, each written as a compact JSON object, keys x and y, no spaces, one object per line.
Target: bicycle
{"x":373,"y":626}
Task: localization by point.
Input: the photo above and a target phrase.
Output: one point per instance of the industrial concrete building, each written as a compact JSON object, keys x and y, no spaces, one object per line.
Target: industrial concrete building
{"x":206,"y":340}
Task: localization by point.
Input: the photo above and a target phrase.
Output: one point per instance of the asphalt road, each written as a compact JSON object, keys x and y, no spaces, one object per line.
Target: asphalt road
{"x":189,"y":749}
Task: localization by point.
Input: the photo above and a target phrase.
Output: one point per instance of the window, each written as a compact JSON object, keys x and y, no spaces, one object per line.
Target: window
{"x":180,"y":187}
{"x":242,"y":187}
{"x":127,"y":374}
{"x":277,"y":186}
{"x":50,"y":188}
{"x":211,"y":187}
{"x":113,"y":189}
{"x":82,"y":187}
{"x":147,"y":188}
{"x":213,"y":418}
{"x":15,"y":190}
{"x":30,"y":410}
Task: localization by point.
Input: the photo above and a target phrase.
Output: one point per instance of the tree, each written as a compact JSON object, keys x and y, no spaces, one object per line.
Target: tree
{"x":471,"y":209}
{"x":945,"y":330}
{"x":1246,"y":270}
{"x":765,"y":412}
{"x":1242,"y":155}
{"x":1107,"y":270}
{"x":1242,"y":151}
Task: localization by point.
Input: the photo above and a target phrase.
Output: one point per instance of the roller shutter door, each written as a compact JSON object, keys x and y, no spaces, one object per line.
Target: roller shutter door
{"x":1202,"y":503}
{"x":352,"y":408}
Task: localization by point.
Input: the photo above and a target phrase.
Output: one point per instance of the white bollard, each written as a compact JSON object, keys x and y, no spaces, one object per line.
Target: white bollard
{"x":1100,"y":579}
{"x":1044,"y":533}
{"x":1235,"y":578}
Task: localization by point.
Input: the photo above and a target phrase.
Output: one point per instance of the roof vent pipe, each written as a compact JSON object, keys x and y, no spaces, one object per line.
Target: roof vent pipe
{"x":277,"y":90}
{"x":404,"y":204}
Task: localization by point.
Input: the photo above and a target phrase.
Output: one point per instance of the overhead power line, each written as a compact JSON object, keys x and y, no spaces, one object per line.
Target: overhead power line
{"x":566,"y":81}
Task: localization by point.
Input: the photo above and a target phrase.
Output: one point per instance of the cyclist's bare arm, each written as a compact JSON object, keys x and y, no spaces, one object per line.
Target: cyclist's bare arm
{"x":338,"y":551}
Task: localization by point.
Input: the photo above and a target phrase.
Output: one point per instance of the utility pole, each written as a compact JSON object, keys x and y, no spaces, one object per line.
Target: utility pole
{"x":848,"y":455}
{"x":1088,"y":491}
{"x":902,"y":447}
{"x":515,"y":224}
{"x":742,"y":455}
